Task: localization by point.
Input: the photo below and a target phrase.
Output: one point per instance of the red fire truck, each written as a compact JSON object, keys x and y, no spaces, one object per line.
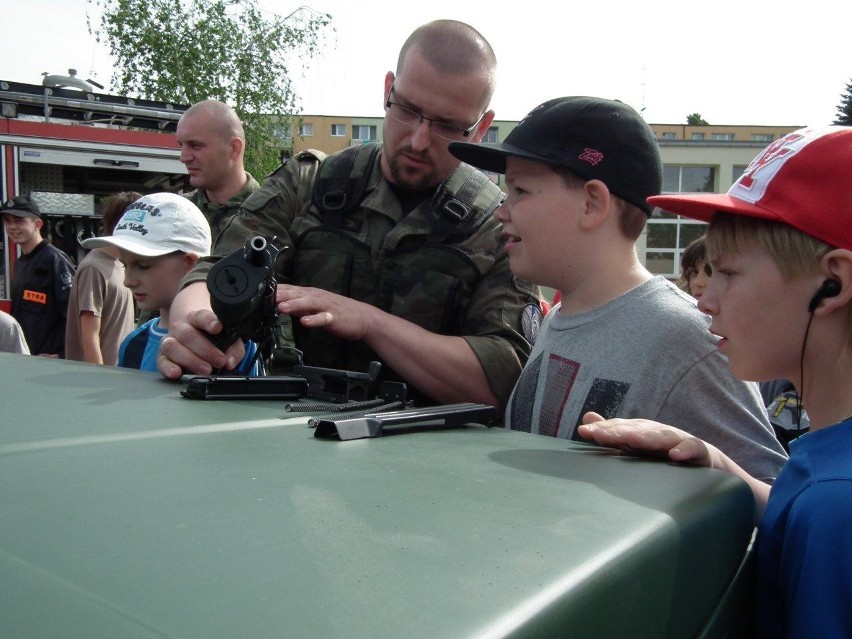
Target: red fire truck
{"x":69,"y":147}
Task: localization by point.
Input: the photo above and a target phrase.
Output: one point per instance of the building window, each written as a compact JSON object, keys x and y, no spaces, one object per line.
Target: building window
{"x":338,"y":130}
{"x":363,"y":132}
{"x":669,"y":135}
{"x":306,"y":129}
{"x":490,"y":136}
{"x":697,"y":136}
{"x":282,"y":132}
{"x":694,"y":179}
{"x":762,"y":137}
{"x":723,"y":136}
{"x":737,"y":172}
{"x":668,"y":234}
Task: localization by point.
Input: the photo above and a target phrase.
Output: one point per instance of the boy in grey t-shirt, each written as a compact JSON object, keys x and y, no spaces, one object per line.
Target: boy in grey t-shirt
{"x":622,"y":342}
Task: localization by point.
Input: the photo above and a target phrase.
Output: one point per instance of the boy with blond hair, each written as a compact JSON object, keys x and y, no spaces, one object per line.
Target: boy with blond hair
{"x":780,"y":244}
{"x":622,"y":342}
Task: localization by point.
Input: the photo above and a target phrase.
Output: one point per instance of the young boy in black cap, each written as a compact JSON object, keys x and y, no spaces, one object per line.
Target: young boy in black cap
{"x":622,"y":342}
{"x":41,"y":282}
{"x":780,"y":298}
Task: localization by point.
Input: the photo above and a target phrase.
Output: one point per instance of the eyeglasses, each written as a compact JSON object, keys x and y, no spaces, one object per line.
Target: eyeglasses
{"x":410,"y":117}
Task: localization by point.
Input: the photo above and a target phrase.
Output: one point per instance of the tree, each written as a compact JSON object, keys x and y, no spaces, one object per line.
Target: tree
{"x":696,"y":119}
{"x":844,"y":109}
{"x":185,"y":51}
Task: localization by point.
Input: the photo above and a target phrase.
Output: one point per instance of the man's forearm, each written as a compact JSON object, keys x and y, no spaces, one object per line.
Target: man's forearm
{"x":443,"y":367}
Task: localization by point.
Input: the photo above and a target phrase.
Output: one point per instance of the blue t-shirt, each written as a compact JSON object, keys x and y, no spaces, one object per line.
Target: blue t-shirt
{"x":804,"y":542}
{"x":139,"y":349}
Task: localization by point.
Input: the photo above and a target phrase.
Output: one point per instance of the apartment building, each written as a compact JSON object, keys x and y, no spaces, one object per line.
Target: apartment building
{"x":702,"y":158}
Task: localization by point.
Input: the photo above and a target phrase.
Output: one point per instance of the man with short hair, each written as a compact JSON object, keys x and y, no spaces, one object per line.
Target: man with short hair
{"x":41,"y":282}
{"x":395,"y":253}
{"x":212,"y":144}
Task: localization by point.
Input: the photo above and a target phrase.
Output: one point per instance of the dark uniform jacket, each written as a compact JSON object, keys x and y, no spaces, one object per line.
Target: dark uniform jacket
{"x":218,"y":215}
{"x":41,"y":285}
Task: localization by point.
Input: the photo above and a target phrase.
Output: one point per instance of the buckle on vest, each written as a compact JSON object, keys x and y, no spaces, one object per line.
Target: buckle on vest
{"x":334,"y":200}
{"x":454,"y":210}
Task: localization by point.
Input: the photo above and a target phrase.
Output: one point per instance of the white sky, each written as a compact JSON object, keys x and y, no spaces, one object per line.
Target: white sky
{"x":732,"y":61}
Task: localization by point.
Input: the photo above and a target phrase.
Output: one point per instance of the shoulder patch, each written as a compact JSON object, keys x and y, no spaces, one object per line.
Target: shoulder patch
{"x":530,"y":321}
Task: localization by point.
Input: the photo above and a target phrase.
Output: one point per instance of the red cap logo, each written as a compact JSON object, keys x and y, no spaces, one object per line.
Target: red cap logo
{"x":592,"y":157}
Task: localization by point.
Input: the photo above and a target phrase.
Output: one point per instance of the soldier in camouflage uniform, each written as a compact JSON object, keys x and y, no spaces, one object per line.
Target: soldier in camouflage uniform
{"x":395,"y":277}
{"x":212,"y":144}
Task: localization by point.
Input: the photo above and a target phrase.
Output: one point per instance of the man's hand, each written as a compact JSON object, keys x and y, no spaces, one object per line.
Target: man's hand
{"x":442,"y":366}
{"x":187,"y":348}
{"x":343,"y":317}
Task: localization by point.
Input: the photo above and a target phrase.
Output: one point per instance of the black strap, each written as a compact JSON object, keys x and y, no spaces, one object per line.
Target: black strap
{"x":457,"y":212}
{"x":342,"y":181}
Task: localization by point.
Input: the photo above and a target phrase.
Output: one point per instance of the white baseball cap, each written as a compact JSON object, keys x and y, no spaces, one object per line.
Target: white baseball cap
{"x":159,"y":224}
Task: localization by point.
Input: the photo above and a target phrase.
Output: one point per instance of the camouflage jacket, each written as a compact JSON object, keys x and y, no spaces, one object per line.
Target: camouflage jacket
{"x":218,"y":215}
{"x":457,"y":285}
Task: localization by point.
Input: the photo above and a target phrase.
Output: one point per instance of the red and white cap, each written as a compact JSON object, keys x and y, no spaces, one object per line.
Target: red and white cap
{"x":803,"y":179}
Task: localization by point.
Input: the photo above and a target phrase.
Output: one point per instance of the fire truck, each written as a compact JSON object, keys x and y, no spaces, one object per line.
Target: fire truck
{"x":69,"y":147}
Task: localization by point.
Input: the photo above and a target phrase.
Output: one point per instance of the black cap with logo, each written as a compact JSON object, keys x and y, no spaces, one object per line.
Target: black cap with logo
{"x":21,"y":206}
{"x":595,"y":138}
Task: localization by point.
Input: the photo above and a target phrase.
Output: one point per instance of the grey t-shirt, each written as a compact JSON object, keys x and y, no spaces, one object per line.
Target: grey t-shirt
{"x":646,"y":354}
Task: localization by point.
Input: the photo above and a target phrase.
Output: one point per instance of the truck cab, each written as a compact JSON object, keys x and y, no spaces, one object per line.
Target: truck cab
{"x":69,"y":147}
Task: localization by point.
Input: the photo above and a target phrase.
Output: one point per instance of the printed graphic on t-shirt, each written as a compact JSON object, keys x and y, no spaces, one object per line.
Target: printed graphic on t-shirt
{"x":605,"y":396}
{"x":523,"y":397}
{"x":561,"y":373}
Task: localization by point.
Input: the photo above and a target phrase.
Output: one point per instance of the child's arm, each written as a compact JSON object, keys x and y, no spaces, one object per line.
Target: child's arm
{"x":90,"y":337}
{"x":644,"y":437}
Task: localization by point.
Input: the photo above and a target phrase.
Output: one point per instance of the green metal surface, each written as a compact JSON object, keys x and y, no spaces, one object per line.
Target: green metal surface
{"x":128,"y":511}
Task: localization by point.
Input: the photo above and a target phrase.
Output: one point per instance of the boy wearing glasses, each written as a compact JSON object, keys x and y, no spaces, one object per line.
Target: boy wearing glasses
{"x":396,"y":255}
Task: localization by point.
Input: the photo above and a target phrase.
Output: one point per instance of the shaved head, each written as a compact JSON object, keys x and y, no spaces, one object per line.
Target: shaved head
{"x":453,"y":48}
{"x":220,"y":118}
{"x":212,"y":145}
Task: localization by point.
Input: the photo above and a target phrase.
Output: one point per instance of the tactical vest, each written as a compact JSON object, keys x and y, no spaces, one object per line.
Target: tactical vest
{"x":427,"y":278}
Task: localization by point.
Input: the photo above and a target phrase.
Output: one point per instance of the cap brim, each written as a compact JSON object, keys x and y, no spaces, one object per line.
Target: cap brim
{"x":20,"y":213}
{"x":492,"y":157}
{"x":131,"y":246}
{"x":703,"y":206}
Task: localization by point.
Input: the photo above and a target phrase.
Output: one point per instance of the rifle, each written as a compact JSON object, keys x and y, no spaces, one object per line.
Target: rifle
{"x":242,"y":289}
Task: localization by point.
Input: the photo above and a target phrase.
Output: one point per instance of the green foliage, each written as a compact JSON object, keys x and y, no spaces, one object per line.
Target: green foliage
{"x":844,"y":109}
{"x":185,"y":51}
{"x":696,"y":119}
